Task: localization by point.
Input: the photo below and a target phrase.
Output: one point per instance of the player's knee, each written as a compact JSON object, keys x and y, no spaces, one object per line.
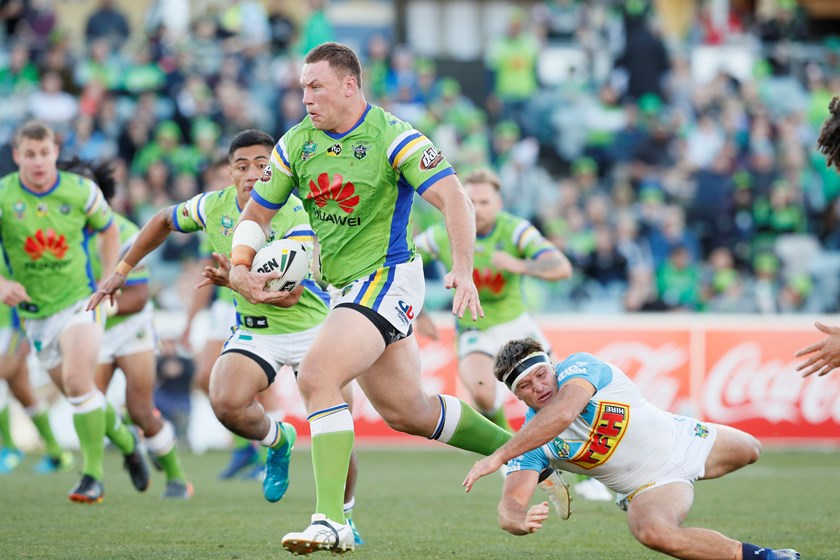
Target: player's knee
{"x":225,"y":410}
{"x":407,"y":423}
{"x":753,"y":450}
{"x":656,"y":536}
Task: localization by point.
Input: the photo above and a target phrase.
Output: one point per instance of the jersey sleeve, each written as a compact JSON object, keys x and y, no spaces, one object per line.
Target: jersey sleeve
{"x":277,"y":182}
{"x":191,"y":215}
{"x":300,"y":230}
{"x":584,"y":366}
{"x":530,"y":242}
{"x":98,"y":213}
{"x":534,"y":460}
{"x":415,"y":158}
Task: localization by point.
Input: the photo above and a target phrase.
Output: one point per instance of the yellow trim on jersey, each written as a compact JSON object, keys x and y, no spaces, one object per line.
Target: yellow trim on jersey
{"x":409,"y":149}
{"x":371,"y":292}
{"x":278,"y":162}
{"x":98,"y":199}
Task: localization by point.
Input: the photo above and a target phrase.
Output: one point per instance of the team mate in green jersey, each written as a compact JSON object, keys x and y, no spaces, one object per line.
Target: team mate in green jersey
{"x":269,"y":335}
{"x":45,"y":219}
{"x":129,"y":343}
{"x":14,"y":377}
{"x":506,"y":248}
{"x":357,"y":169}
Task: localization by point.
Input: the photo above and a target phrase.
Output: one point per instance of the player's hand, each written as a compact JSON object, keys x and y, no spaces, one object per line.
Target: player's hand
{"x":251,"y":285}
{"x":535,"y":517}
{"x":108,"y":288}
{"x":486,"y":466}
{"x":507,"y":262}
{"x":824,"y":355}
{"x":216,"y":275}
{"x":12,"y":293}
{"x":466,"y":294}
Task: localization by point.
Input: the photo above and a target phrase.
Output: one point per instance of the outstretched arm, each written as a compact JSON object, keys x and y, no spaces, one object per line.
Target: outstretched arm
{"x":550,"y":265}
{"x":515,"y":516}
{"x":551,"y":420}
{"x":448,"y":196}
{"x":151,"y":236}
{"x":824,"y":355}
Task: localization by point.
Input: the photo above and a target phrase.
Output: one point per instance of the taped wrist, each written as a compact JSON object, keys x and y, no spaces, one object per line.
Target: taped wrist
{"x":248,"y":238}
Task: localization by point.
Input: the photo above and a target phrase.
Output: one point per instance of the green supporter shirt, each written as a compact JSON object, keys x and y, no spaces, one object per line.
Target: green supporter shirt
{"x":500,"y":291}
{"x":138,"y":275}
{"x":44,"y":238}
{"x":216,"y":213}
{"x":357,"y":187}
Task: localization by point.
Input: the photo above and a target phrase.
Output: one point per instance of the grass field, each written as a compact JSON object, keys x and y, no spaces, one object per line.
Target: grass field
{"x":410,"y":506}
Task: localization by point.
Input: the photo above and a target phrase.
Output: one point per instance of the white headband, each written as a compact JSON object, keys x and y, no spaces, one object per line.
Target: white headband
{"x":523,"y":368}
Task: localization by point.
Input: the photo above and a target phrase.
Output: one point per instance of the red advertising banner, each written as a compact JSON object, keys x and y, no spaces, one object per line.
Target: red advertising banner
{"x":735,"y":371}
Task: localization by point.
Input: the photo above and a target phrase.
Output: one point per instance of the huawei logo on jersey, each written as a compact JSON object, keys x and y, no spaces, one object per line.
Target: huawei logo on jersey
{"x":344,"y":194}
{"x":48,"y":242}
{"x":487,"y":279}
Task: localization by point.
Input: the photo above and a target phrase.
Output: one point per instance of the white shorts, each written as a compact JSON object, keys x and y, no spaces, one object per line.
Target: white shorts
{"x":396,"y":293}
{"x":45,"y":333}
{"x":491,"y":340}
{"x":133,"y":336}
{"x":272,"y":350}
{"x":692,"y":442}
{"x":222,"y":320}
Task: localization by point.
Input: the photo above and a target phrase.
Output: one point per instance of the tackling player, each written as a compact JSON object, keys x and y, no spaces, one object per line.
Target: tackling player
{"x":269,"y":335}
{"x":585,"y":416}
{"x":46,"y":216}
{"x":357,"y":169}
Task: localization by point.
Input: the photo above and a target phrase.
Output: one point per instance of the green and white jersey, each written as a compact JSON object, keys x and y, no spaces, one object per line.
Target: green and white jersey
{"x":205,"y":250}
{"x":138,"y":275}
{"x":500,"y":291}
{"x":357,"y":187}
{"x":216,"y":213}
{"x":44,"y":238}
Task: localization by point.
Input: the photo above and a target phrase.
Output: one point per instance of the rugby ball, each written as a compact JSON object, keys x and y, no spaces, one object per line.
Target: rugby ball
{"x":286,"y":255}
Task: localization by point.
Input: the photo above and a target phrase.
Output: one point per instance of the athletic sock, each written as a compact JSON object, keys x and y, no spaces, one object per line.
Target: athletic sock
{"x":499,"y":418}
{"x":163,"y":446}
{"x":332,"y":444}
{"x":41,"y":419}
{"x":117,"y":432}
{"x":6,"y":428}
{"x":461,"y":426}
{"x":89,"y":421}
{"x":753,"y":552}
{"x":276,"y":437}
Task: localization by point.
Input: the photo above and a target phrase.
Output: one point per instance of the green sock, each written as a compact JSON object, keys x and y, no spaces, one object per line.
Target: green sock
{"x":500,"y":419}
{"x":6,"y":429}
{"x":476,"y":433}
{"x":117,"y":432}
{"x":42,"y":423}
{"x":90,"y":427}
{"x":330,"y":461}
{"x":171,"y":464}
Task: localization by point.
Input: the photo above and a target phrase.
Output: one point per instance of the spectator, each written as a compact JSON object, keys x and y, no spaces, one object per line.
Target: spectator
{"x":513,"y":60}
{"x":107,"y":22}
{"x":644,"y":58}
{"x":174,"y":384}
{"x":52,"y":105}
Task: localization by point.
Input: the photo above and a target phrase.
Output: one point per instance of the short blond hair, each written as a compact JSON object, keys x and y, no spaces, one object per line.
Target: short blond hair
{"x":483,"y":175}
{"x":33,"y":130}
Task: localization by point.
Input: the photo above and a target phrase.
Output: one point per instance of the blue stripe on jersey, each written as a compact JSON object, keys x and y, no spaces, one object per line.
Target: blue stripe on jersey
{"x":300,"y":233}
{"x":282,"y":155}
{"x":255,"y":196}
{"x":175,"y":218}
{"x":313,"y":287}
{"x":41,"y":194}
{"x":401,"y":145}
{"x":86,"y":235}
{"x":136,"y":282}
{"x":340,"y":135}
{"x":541,"y":251}
{"x":106,"y":226}
{"x":384,"y":290}
{"x":398,"y":243}
{"x":434,"y":179}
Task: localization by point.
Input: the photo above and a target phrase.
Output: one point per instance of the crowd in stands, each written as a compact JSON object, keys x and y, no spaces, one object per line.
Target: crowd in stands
{"x":667,"y":191}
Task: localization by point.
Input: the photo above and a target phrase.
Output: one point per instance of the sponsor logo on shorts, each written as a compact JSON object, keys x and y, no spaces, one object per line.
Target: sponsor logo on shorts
{"x":431,"y":158}
{"x":405,"y":312}
{"x":608,"y":427}
{"x":701,"y":431}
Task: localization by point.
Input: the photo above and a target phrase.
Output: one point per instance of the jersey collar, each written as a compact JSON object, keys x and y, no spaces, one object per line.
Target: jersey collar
{"x":340,"y":135}
{"x":40,"y":194}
